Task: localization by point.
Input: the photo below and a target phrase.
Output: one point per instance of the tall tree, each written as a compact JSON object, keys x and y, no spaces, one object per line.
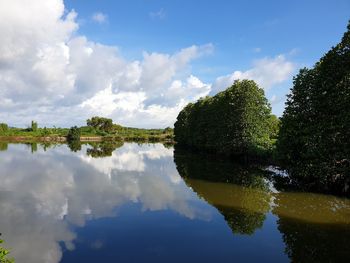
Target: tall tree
{"x":34,"y":126}
{"x":314,"y":138}
{"x":236,"y":122}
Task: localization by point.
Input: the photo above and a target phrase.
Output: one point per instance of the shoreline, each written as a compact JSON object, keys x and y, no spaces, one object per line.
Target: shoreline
{"x":63,"y":139}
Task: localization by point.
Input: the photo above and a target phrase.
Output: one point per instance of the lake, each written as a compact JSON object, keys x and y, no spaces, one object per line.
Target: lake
{"x":144,"y":203}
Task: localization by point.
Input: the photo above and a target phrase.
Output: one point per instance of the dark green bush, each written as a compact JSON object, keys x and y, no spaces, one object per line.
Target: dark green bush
{"x":73,"y":134}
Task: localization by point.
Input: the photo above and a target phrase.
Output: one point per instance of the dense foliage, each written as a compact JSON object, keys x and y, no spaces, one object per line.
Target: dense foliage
{"x":100,"y":123}
{"x":235,"y":122}
{"x":73,"y":134}
{"x":3,"y":127}
{"x":314,"y":142}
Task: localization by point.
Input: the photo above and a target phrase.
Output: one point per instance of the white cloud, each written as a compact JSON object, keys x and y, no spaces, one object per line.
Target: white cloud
{"x":50,"y":73}
{"x":99,"y":17}
{"x":160,"y":14}
{"x":267,"y":72}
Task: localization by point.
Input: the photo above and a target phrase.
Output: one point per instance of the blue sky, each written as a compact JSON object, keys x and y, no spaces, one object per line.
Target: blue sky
{"x":236,"y":28}
{"x":241,"y":31}
{"x":140,"y":61}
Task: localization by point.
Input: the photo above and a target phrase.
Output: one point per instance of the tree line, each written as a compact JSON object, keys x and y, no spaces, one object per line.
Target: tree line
{"x":95,"y":126}
{"x":311,"y":140}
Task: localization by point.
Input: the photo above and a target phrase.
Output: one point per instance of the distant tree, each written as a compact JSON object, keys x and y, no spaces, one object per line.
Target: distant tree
{"x":235,"y":122}
{"x":117,"y":127}
{"x":168,"y":130}
{"x":3,"y":127}
{"x":34,"y":126}
{"x":314,"y":143}
{"x":73,"y":134}
{"x":100,"y":123}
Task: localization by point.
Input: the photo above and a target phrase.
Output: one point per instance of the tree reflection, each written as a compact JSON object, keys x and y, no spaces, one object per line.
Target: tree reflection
{"x":315,"y":228}
{"x":103,"y":149}
{"x":34,"y":147}
{"x":242,"y":221}
{"x":74,"y":145}
{"x":3,"y":146}
{"x":241,"y":194}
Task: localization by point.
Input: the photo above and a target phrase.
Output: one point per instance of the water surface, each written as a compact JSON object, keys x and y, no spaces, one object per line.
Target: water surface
{"x":141,"y":203}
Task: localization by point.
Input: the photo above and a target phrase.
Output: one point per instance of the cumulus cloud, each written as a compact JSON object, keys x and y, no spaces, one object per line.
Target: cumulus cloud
{"x":99,"y":17}
{"x":50,"y":72}
{"x":267,"y":72}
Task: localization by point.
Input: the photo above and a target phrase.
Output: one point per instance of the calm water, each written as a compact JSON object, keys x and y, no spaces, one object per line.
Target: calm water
{"x":140,"y":203}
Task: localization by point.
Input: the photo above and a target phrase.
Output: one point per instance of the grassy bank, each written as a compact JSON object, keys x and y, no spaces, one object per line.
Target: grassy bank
{"x":87,"y":133}
{"x":54,"y":137}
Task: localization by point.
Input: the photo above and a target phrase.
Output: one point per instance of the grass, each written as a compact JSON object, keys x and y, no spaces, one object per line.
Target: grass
{"x":121,"y":133}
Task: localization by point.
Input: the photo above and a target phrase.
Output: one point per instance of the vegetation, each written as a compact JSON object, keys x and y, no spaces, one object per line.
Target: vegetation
{"x":73,"y":134}
{"x":103,"y":149}
{"x":4,"y":254}
{"x":100,"y":123}
{"x":4,"y":127}
{"x":236,"y":122}
{"x":314,"y":141}
{"x":96,"y":127}
{"x":34,"y":126}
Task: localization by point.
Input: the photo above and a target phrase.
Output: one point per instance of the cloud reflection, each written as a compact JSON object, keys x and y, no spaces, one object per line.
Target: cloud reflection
{"x":42,"y":194}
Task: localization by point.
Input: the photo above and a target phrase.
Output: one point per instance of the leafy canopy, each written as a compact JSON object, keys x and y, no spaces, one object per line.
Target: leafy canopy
{"x":314,"y":140}
{"x":237,"y":121}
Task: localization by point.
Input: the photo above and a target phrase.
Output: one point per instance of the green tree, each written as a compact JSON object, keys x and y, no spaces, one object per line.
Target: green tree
{"x":73,"y":134}
{"x":3,"y":127}
{"x":314,"y":141}
{"x":100,"y":123}
{"x":234,"y":122}
{"x":34,"y":126}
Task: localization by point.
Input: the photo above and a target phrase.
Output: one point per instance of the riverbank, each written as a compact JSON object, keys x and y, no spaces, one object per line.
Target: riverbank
{"x":86,"y":139}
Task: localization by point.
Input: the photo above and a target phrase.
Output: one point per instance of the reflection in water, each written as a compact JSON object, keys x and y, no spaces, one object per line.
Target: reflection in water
{"x":103,"y":149}
{"x":42,"y":194}
{"x":3,"y":146}
{"x":240,"y":194}
{"x":74,"y":145}
{"x":314,"y":227}
{"x":47,"y":197}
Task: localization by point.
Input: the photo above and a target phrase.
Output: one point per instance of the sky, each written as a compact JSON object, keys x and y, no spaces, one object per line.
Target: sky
{"x":140,"y":62}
